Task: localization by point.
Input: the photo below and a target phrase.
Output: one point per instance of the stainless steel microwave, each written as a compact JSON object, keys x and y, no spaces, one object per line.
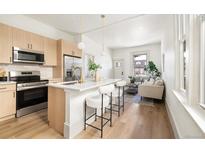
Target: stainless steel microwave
{"x":25,"y":56}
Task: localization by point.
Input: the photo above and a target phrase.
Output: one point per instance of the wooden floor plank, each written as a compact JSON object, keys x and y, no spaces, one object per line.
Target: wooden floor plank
{"x":139,"y":121}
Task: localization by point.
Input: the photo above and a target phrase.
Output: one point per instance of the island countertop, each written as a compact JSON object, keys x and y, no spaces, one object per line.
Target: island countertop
{"x":73,"y":86}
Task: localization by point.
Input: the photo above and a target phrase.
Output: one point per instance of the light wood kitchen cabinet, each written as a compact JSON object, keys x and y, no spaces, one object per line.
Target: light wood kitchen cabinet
{"x":64,"y":48}
{"x":21,"y":38}
{"x":5,"y":44}
{"x":27,"y":40}
{"x":70,"y":49}
{"x":50,"y":52}
{"x":77,"y":52}
{"x":8,"y":101}
{"x":37,"y":42}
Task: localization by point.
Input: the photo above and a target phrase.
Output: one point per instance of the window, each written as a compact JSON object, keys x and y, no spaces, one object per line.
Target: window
{"x":87,"y":72}
{"x":183,"y":53}
{"x":202,"y":62}
{"x":140,"y":61}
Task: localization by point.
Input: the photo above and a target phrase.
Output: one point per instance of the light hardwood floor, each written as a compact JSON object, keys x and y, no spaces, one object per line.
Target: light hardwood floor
{"x":138,"y":121}
{"x":31,"y":126}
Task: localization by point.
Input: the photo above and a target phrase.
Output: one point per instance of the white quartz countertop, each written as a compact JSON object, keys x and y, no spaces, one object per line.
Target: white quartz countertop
{"x":83,"y":86}
{"x":7,"y":82}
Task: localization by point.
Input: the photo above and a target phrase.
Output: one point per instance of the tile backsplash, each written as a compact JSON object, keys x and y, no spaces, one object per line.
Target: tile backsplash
{"x":46,"y":72}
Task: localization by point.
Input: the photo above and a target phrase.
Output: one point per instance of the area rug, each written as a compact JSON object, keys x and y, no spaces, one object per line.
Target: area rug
{"x":137,"y":99}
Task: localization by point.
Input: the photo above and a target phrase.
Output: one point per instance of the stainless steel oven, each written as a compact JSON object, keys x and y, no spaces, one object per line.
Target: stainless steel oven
{"x":25,"y":56}
{"x":31,"y":93}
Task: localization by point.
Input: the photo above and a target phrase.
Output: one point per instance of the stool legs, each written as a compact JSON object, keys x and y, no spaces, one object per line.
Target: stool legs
{"x":85,"y":116}
{"x":119,"y":102}
{"x":111,"y":110}
{"x":123,"y":99}
{"x":95,"y":114}
{"x":102,"y":117}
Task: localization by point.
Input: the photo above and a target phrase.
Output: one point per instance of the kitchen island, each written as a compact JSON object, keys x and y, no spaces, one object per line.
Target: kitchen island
{"x":71,"y":107}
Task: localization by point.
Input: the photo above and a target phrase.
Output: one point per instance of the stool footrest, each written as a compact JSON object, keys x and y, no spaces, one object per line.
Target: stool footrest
{"x":90,"y":116}
{"x":93,"y":126}
{"x":107,"y":120}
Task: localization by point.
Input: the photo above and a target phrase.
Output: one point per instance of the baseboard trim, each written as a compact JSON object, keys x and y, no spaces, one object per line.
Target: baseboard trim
{"x":172,"y":121}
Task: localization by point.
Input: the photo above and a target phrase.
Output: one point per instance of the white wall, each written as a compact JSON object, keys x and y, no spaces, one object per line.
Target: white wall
{"x":105,"y":60}
{"x":31,"y":25}
{"x":183,"y":124}
{"x":153,"y":52}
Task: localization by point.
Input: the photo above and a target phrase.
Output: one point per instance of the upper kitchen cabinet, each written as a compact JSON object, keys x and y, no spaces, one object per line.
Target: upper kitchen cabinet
{"x":66,"y":47}
{"x":21,"y":38}
{"x":77,"y":52}
{"x":50,"y":52}
{"x":5,"y":44}
{"x":27,"y":40}
{"x":37,"y":42}
{"x":70,"y":48}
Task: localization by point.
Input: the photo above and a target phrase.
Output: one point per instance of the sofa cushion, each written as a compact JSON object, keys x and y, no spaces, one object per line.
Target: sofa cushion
{"x":148,"y":83}
{"x":159,"y":83}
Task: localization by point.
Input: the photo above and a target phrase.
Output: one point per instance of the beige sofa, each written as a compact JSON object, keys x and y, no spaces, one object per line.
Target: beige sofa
{"x":151,"y":91}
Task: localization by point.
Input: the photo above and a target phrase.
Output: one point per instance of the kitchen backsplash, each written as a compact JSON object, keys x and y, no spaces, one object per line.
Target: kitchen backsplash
{"x":46,"y":72}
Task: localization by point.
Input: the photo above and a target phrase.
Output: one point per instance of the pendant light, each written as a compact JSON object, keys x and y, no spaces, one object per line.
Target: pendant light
{"x":81,"y":45}
{"x":103,"y":35}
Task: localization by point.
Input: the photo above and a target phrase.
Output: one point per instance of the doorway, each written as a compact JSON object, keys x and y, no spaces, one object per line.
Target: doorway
{"x":118,"y":69}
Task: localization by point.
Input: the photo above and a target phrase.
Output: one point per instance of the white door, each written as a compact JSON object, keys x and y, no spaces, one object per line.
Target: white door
{"x":118,"y":69}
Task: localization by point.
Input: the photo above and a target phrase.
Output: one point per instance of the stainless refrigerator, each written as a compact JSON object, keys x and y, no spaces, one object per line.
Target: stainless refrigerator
{"x":72,"y":68}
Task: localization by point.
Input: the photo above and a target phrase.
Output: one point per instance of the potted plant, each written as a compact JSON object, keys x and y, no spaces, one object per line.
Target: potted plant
{"x":152,"y":69}
{"x":93,"y":68}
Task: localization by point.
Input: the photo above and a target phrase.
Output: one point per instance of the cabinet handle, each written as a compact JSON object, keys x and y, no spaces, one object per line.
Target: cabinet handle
{"x":3,"y":88}
{"x":28,"y":46}
{"x":14,"y":94}
{"x":31,"y":46}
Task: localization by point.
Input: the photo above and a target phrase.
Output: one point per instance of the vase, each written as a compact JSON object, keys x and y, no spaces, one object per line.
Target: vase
{"x":97,"y":76}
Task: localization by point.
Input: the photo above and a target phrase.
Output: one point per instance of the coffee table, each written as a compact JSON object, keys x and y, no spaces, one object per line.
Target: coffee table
{"x":132,"y":88}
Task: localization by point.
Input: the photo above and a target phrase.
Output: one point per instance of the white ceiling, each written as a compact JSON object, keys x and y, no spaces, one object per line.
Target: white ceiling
{"x":79,"y":23}
{"x":120,"y":30}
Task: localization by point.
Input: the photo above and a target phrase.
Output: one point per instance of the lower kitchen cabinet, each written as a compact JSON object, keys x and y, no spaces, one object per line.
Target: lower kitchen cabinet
{"x":7,"y":101}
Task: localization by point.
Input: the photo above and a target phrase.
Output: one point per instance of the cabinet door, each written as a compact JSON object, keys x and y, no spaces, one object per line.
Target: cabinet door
{"x":21,"y":38}
{"x":77,"y":52}
{"x":37,"y":42}
{"x":7,"y":103}
{"x":67,"y":48}
{"x":50,"y":52}
{"x":5,"y":44}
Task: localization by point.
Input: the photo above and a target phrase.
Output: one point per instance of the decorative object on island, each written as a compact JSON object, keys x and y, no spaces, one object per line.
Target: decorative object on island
{"x":93,"y":68}
{"x":152,"y":70}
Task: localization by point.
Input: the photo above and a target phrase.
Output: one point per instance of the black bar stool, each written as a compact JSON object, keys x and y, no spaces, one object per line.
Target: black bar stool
{"x":118,"y":93}
{"x":99,"y":101}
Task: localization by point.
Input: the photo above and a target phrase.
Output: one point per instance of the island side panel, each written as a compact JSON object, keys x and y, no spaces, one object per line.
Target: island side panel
{"x":56,"y":108}
{"x":75,"y":101}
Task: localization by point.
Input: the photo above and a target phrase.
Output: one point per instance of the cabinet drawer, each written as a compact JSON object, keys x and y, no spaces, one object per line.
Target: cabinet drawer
{"x":9,"y":87}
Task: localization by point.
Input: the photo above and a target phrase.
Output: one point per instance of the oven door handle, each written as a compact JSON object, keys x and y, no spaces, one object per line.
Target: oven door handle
{"x":32,"y":87}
